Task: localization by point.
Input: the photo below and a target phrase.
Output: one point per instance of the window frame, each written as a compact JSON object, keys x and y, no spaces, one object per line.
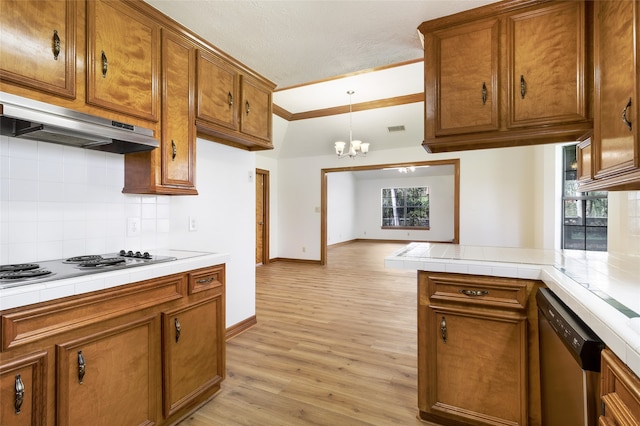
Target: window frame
{"x":405,"y":208}
{"x":569,"y":158}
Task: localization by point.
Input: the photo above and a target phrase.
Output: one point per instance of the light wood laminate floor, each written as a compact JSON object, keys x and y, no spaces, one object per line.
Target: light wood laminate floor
{"x":334,"y":345}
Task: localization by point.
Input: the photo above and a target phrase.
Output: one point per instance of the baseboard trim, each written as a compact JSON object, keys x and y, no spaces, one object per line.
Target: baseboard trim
{"x":240,"y":327}
{"x":288,"y":259}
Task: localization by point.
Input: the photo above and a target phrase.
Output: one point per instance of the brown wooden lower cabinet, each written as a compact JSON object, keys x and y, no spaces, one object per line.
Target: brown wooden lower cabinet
{"x":109,"y":378}
{"x":620,"y":392}
{"x":477,"y":350}
{"x":22,"y":392}
{"x":189,"y":338}
{"x":140,"y":354}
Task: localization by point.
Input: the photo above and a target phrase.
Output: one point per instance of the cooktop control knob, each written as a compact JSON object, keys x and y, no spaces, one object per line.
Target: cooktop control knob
{"x":146,"y":255}
{"x":122,"y":253}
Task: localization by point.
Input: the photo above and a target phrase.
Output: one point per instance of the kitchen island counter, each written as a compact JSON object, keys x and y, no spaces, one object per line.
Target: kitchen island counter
{"x":40,"y":292}
{"x":602,"y":288}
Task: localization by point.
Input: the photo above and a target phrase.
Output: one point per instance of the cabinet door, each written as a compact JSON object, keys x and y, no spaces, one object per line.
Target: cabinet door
{"x":122,"y":59}
{"x":218,"y":98}
{"x":178,"y":119}
{"x":615,"y":143}
{"x":620,"y":392}
{"x":47,"y":61}
{"x":546,"y":56}
{"x":461,"y":84}
{"x":583,"y":157}
{"x":194,"y":351}
{"x":109,"y":378}
{"x":478,"y":365}
{"x":255,"y":110}
{"x":22,"y":386}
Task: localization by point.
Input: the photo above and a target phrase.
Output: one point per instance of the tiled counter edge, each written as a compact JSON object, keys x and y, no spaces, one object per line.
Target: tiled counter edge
{"x":609,"y":324}
{"x":35,"y":293}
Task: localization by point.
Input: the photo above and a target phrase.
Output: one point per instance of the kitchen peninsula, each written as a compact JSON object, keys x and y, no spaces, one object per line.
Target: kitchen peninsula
{"x":498,"y":315}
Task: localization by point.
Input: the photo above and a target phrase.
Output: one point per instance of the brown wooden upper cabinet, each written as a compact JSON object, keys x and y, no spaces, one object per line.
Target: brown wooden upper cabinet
{"x":122,"y":59}
{"x":232,"y":106}
{"x":171,"y":168}
{"x":615,"y":162}
{"x":507,"y":74}
{"x":218,"y":91}
{"x":178,"y":116}
{"x":47,"y":63}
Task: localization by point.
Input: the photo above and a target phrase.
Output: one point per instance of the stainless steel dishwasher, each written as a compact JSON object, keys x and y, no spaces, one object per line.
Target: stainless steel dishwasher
{"x":569,"y":365}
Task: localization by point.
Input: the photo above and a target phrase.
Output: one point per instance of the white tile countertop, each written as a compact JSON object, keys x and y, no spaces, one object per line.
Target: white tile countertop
{"x":40,"y":292}
{"x":601,"y":288}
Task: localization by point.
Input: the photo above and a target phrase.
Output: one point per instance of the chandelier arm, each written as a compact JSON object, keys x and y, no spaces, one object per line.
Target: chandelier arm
{"x":357,"y":149}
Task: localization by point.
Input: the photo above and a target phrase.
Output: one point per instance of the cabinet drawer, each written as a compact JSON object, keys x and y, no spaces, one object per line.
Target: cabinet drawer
{"x":478,"y":290}
{"x":206,"y":279}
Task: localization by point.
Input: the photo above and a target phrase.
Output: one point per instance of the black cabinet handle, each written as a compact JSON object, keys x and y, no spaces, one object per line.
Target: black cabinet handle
{"x":56,"y":45}
{"x":474,"y":293}
{"x":247,"y":107}
{"x":174,"y":150}
{"x":82,"y":367}
{"x":523,"y":86}
{"x":230,"y":100}
{"x":484,"y":93}
{"x":443,"y":329}
{"x":624,"y":115}
{"x":105,"y":65}
{"x":19,"y":388}
{"x":178,"y":329}
{"x":205,"y":280}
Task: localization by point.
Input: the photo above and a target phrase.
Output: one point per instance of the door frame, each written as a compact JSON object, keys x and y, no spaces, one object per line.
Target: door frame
{"x":323,"y":195}
{"x":264,"y":174}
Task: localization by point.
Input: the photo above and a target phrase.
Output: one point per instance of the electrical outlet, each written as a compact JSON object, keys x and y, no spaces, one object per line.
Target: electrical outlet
{"x":133,"y":227}
{"x":193,"y":224}
{"x":304,"y":249}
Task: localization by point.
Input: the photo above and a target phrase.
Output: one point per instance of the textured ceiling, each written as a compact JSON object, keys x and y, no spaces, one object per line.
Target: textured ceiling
{"x":315,"y":51}
{"x":297,"y":42}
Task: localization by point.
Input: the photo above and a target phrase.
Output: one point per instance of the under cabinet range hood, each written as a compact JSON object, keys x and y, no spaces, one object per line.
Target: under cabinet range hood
{"x":29,"y":119}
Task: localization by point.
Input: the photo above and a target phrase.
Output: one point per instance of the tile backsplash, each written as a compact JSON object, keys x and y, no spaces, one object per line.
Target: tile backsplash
{"x":633,"y":222}
{"x":58,"y":202}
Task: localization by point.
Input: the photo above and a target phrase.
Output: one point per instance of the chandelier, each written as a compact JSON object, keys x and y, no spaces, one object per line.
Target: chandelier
{"x":356,"y":148}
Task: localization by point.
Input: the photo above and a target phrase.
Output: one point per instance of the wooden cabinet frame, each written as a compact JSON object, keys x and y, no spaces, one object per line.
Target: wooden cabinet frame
{"x":42,"y":341}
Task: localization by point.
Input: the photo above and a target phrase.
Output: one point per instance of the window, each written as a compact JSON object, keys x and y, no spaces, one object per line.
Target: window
{"x":405,"y":207}
{"x":584,"y":214}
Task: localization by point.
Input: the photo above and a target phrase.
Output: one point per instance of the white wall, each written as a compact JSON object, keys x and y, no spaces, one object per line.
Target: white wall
{"x":624,"y":222}
{"x":342,"y":205}
{"x":225,"y":213}
{"x":499,"y":197}
{"x":441,"y":208}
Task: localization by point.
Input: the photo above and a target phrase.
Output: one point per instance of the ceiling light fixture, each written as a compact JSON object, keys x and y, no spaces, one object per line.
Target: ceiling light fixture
{"x":356,"y":148}
{"x":407,"y":169}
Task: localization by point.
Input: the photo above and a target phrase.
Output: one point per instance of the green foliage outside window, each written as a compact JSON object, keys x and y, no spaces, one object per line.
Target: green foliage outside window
{"x":405,"y":207}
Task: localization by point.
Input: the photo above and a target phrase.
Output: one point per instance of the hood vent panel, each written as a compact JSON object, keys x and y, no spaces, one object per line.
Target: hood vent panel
{"x":29,"y":119}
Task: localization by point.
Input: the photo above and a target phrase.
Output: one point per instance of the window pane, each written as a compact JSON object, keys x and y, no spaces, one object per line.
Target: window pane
{"x":584,"y":215}
{"x":405,"y":207}
{"x":573,"y":212}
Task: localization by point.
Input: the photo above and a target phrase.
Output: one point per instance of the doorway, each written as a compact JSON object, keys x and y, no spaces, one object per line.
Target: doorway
{"x":324,"y":189}
{"x":262,"y":217}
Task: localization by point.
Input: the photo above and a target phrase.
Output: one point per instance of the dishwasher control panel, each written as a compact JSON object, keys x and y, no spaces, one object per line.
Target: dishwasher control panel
{"x":582,"y":342}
